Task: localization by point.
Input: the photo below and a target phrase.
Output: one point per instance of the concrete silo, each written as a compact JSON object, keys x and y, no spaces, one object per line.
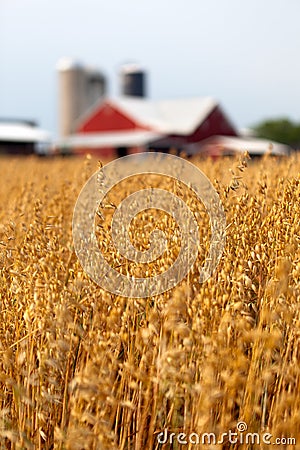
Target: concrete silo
{"x":133,"y":80}
{"x":79,"y":88}
{"x":95,"y":86}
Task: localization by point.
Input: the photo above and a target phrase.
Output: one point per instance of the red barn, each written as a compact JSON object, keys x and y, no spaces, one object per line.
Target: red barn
{"x":116,"y":127}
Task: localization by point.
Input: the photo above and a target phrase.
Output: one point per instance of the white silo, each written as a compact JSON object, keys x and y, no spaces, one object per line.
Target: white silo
{"x":95,"y":86}
{"x":79,"y":88}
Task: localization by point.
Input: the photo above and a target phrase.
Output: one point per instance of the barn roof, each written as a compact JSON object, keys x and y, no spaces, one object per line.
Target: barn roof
{"x":227,"y":145}
{"x":178,"y":116}
{"x":21,"y":132}
{"x":254,"y":146}
{"x":108,"y":139}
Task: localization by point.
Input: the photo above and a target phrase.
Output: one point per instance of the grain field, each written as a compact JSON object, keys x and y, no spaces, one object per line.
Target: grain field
{"x":81,"y":368}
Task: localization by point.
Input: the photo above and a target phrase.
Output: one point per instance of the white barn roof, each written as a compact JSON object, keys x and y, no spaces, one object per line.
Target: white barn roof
{"x":19,"y":132}
{"x":255,"y":146}
{"x":226,"y":145}
{"x":108,"y":139}
{"x":177,"y":116}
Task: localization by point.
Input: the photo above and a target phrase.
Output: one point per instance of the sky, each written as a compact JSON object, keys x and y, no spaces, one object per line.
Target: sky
{"x":245,"y":54}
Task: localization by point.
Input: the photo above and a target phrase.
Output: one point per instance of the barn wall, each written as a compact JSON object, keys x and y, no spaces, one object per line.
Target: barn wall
{"x":109,"y":153}
{"x":17,"y":148}
{"x":108,"y":118}
{"x":103,"y":152}
{"x":215,"y":124}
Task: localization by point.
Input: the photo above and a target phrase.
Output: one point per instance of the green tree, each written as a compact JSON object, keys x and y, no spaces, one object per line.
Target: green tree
{"x":281,"y":130}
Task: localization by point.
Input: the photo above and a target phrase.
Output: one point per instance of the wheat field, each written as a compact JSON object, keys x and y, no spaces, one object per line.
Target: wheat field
{"x":81,"y":368}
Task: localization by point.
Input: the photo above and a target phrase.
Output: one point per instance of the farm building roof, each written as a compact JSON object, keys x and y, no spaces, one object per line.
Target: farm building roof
{"x":176,"y":116}
{"x":226,"y":145}
{"x":180,"y":116}
{"x":21,"y":132}
{"x":107,"y":139}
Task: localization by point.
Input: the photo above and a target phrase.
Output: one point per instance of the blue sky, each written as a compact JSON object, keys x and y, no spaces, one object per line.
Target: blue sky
{"x":246,"y":54}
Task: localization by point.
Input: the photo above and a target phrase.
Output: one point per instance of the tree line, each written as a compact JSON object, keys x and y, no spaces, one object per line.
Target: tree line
{"x":281,"y":130}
